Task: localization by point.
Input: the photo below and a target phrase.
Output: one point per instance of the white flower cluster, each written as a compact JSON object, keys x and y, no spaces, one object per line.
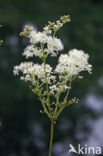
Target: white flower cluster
{"x":73,"y":63}
{"x":31,"y":51}
{"x":58,"y":87}
{"x":69,"y":65}
{"x":34,"y":72}
{"x":45,"y":81}
{"x":44,"y":43}
{"x":51,"y":45}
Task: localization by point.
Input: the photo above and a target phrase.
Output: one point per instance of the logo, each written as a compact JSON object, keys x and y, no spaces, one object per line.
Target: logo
{"x":85,"y":149}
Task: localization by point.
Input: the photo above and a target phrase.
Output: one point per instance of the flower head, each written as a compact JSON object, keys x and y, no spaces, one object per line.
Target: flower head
{"x":33,"y":72}
{"x":42,"y":44}
{"x":73,"y":63}
{"x":45,"y":81}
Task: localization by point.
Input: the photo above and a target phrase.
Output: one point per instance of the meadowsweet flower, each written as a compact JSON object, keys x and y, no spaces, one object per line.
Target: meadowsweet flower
{"x":45,"y":81}
{"x":51,"y":45}
{"x":43,"y":43}
{"x":33,"y":72}
{"x":73,"y":63}
{"x":46,"y":30}
{"x":26,"y":31}
{"x":55,"y":26}
{"x":31,"y":51}
{"x":58,"y":87}
{"x":37,"y":37}
{"x":65,"y":19}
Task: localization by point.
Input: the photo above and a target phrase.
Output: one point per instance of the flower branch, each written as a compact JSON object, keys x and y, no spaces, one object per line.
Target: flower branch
{"x":46,"y":82}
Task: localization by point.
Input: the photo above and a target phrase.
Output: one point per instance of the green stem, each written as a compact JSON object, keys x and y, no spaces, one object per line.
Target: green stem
{"x":60,"y":111}
{"x":47,"y":88}
{"x":44,"y":106}
{"x":54,"y":34}
{"x":68,"y":90}
{"x":57,"y":102}
{"x":65,"y":99}
{"x":51,"y":138}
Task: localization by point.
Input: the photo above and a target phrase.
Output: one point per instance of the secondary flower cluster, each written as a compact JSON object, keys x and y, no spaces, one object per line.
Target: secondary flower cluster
{"x":33,"y":72}
{"x":46,"y":81}
{"x":73,"y":63}
{"x":38,"y":39}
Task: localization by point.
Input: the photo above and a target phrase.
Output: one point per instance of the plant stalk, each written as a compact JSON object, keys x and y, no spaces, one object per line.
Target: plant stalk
{"x":51,"y":138}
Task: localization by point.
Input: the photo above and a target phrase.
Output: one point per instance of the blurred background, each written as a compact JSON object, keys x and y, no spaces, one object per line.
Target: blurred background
{"x":24,"y":131}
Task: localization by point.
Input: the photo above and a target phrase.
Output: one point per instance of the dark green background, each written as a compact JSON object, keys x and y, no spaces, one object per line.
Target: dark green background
{"x":24,"y":131}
